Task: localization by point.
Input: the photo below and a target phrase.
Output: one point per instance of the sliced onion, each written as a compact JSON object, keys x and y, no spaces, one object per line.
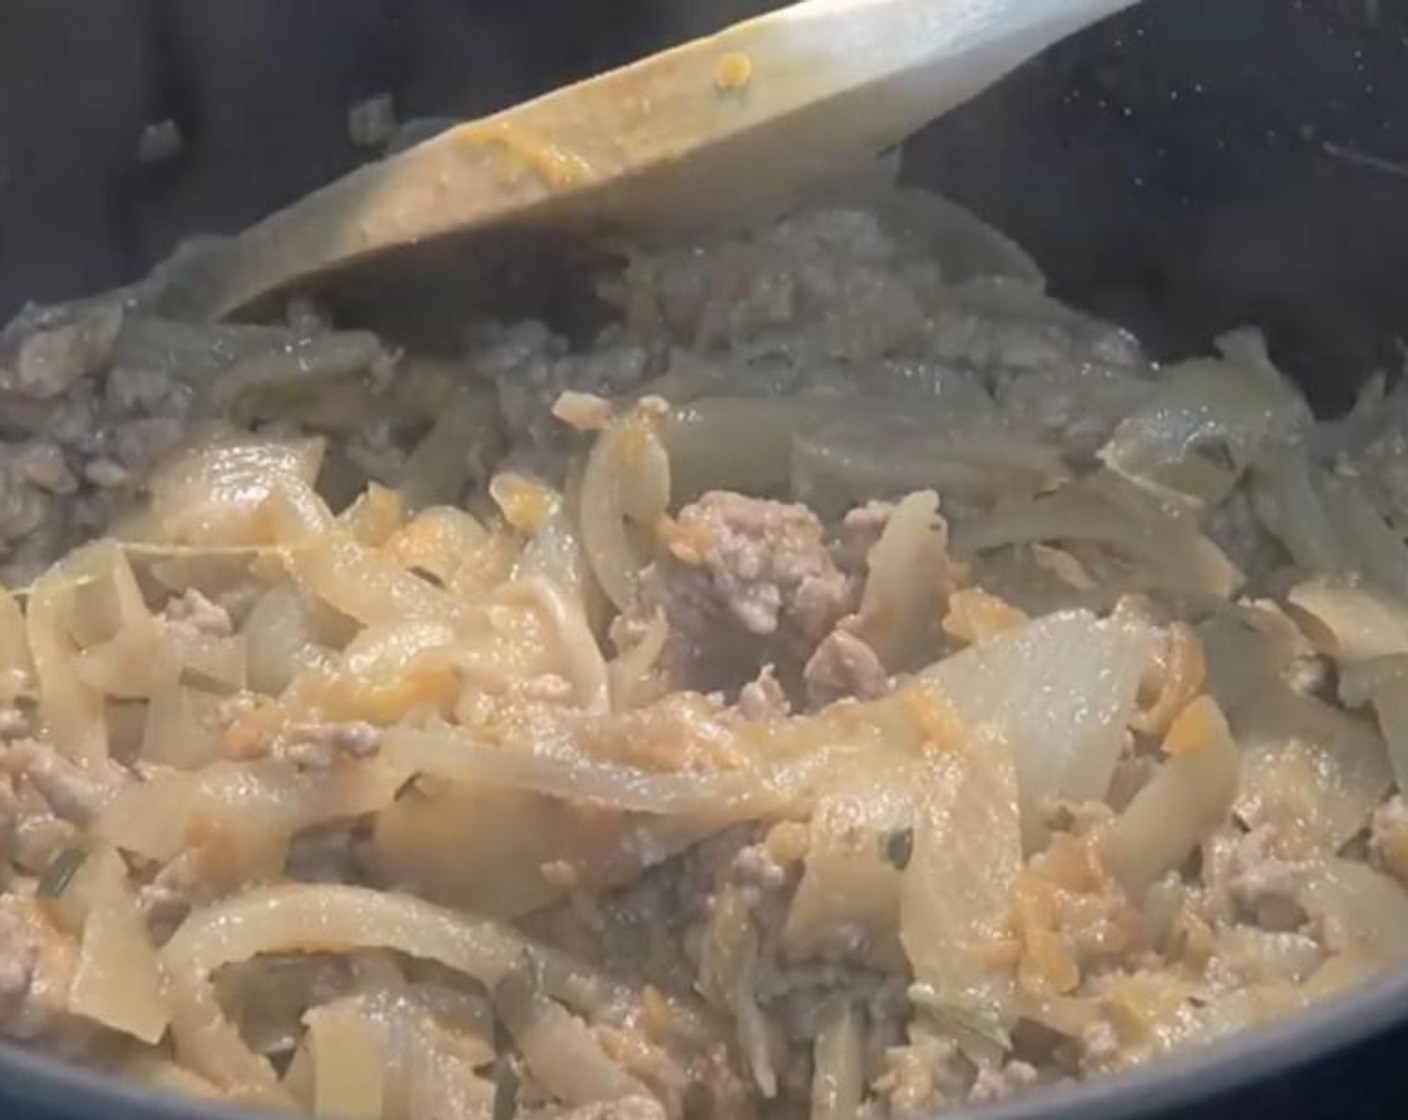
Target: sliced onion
{"x":1060,"y":691}
{"x":72,"y":710}
{"x":733,"y":443}
{"x":306,"y":918}
{"x":1350,"y":619}
{"x":577,"y":646}
{"x":1167,"y":544}
{"x":1303,"y":523}
{"x":183,"y":723}
{"x":437,"y":541}
{"x":16,"y":665}
{"x":452,"y":452}
{"x":561,"y":1052}
{"x":626,"y":482}
{"x":1309,"y":767}
{"x":348,"y":1067}
{"x":838,"y":1061}
{"x":1363,"y":910}
{"x":900,"y":606}
{"x":850,"y":882}
{"x":282,"y":640}
{"x":251,"y":807}
{"x":955,"y":893}
{"x":118,"y":981}
{"x":1204,"y":426}
{"x":1377,"y":550}
{"x":1383,"y":682}
{"x":364,"y":586}
{"x":1188,"y":798}
{"x":298,"y":366}
{"x":226,"y":490}
{"x":445,"y":754}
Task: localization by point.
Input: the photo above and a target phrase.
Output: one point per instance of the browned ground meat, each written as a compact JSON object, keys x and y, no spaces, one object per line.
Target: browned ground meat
{"x":761,"y":579}
{"x":36,"y":965}
{"x":844,"y":665}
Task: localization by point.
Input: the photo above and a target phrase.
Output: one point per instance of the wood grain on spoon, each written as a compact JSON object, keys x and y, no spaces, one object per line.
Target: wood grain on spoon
{"x":679,"y":140}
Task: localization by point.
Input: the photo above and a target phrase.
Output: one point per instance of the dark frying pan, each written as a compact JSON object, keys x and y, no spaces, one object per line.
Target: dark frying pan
{"x":1191,"y":166}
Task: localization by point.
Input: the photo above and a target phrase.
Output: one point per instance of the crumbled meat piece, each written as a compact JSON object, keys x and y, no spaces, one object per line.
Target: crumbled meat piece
{"x":763,"y":697}
{"x":1267,"y":888}
{"x":1388,"y":837}
{"x":75,"y":791}
{"x":756,"y":873}
{"x":994,"y":1084}
{"x":39,"y":835}
{"x":767,"y":562}
{"x":861,"y":530}
{"x":1100,"y":1045}
{"x":43,"y":353}
{"x":173,"y":891}
{"x":106,"y":474}
{"x":36,"y":965}
{"x":195,"y":615}
{"x":844,"y":665}
{"x":24,"y":506}
{"x":586,"y":412}
{"x":923,"y":1075}
{"x":1307,"y":675}
{"x":752,"y":569}
{"x":43,"y":465}
{"x":316,"y":746}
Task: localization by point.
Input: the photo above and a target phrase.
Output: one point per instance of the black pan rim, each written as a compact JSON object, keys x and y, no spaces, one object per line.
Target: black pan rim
{"x":32,"y":1080}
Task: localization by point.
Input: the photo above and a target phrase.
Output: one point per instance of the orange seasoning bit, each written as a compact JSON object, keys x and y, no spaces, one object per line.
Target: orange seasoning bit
{"x":734,"y":73}
{"x":941,"y":726}
{"x":245,"y":738}
{"x":686,"y":543}
{"x":1197,"y":726}
{"x":555,"y":167}
{"x":525,"y":504}
{"x":974,"y":615}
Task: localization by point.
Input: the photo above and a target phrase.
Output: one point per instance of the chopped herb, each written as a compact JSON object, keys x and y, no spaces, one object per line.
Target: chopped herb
{"x":506,"y":1086}
{"x":897,"y":847}
{"x":60,"y":872}
{"x":408,"y":787}
{"x":972,"y":1022}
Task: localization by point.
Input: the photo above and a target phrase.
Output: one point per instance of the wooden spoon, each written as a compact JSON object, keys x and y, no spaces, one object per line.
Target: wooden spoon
{"x":707,"y":131}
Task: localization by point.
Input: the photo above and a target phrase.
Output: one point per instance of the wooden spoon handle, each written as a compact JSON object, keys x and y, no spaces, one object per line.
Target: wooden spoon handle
{"x":679,"y":140}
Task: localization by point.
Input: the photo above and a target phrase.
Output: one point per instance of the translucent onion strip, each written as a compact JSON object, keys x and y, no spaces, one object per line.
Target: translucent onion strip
{"x":292,"y":919}
{"x":446,"y":754}
{"x":349,"y":1070}
{"x":118,"y":981}
{"x":838,"y":1080}
{"x":561,"y":1051}
{"x":577,"y":645}
{"x":1189,"y":797}
{"x":627,"y":481}
{"x":1383,"y":683}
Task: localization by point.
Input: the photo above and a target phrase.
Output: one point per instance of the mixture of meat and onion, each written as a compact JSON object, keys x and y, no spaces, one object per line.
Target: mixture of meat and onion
{"x":854,"y":684}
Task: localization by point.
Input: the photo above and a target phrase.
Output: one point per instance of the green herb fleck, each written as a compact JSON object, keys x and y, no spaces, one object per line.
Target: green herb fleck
{"x":60,"y":872}
{"x":897,"y":847}
{"x":964,"y":1021}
